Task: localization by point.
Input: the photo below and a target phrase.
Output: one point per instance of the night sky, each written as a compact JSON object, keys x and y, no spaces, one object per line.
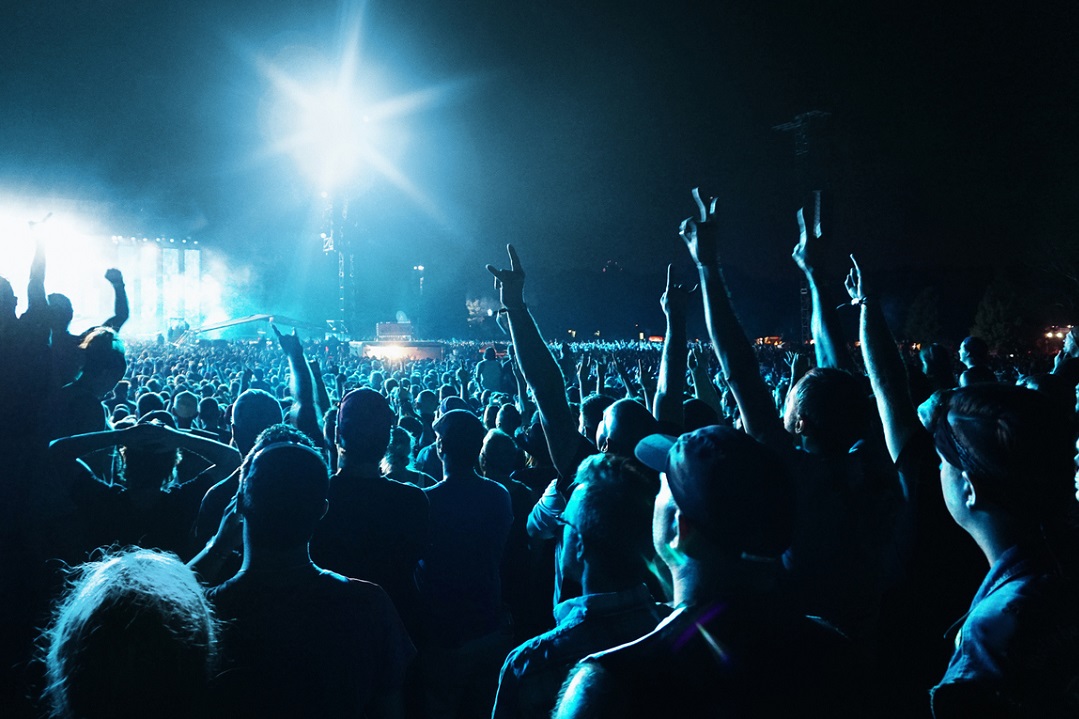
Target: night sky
{"x":574,"y":130}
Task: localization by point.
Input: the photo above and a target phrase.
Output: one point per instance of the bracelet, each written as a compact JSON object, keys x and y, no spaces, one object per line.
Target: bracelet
{"x":855,"y":302}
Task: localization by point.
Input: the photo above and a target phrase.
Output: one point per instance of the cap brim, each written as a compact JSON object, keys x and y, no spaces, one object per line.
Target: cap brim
{"x":652,"y":451}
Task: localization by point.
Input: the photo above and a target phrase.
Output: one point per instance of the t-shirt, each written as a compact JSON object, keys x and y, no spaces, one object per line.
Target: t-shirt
{"x":376,"y":529}
{"x":307,"y":642}
{"x":741,"y":657}
{"x":458,"y":577}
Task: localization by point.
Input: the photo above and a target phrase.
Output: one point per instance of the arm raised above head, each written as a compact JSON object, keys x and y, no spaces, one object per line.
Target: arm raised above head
{"x":538,"y":366}
{"x":737,"y":360}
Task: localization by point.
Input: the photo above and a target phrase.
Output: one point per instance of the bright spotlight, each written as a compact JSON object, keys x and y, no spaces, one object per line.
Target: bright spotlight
{"x":330,"y":136}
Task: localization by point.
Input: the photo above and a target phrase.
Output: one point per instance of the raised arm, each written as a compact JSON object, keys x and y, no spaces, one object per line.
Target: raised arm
{"x":808,"y":255}
{"x":36,"y":299}
{"x":303,"y":413}
{"x":322,"y":395}
{"x":539,"y":367}
{"x":703,"y":389}
{"x":887,"y":375}
{"x":120,"y":309}
{"x":737,"y":360}
{"x":671,"y":384}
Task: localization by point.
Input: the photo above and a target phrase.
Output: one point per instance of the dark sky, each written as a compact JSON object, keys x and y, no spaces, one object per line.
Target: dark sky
{"x":574,"y":130}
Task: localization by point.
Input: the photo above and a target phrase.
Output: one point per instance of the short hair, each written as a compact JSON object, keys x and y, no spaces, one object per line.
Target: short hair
{"x":592,"y":408}
{"x":253,"y":411}
{"x":835,"y":404}
{"x":283,"y":491}
{"x":509,"y":418}
{"x":131,"y":634}
{"x":977,"y":348}
{"x":615,"y":519}
{"x":500,"y":456}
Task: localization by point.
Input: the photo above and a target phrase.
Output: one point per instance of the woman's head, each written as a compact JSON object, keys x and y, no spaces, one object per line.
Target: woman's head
{"x":1016,"y":446}
{"x":132,"y":635}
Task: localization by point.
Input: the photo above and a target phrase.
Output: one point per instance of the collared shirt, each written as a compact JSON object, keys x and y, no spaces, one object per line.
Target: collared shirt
{"x":534,"y":672}
{"x":1018,"y":648}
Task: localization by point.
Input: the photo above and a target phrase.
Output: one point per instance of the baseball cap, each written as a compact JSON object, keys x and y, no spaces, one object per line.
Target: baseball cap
{"x":460,"y":430}
{"x":364,"y":410}
{"x":737,"y":491}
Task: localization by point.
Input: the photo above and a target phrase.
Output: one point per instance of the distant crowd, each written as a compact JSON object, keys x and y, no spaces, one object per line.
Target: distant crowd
{"x":531,"y":529}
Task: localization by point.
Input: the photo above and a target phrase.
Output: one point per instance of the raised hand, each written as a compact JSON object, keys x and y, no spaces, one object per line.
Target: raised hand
{"x":510,"y":283}
{"x":806,"y":253}
{"x":854,"y":285}
{"x":114,"y":276}
{"x":675,"y":298}
{"x":701,"y":233}
{"x":150,"y":437}
{"x":693,"y":359}
{"x":290,"y":343}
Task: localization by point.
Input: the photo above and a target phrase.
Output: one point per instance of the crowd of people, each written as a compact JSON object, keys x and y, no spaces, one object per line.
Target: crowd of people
{"x":535,"y":529}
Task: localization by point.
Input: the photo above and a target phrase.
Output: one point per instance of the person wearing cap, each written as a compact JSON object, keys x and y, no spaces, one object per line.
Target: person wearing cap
{"x":847,"y":489}
{"x":465,"y":634}
{"x":428,"y":460}
{"x":734,"y":645}
{"x":301,"y":640}
{"x":1007,"y":476}
{"x":376,"y":528}
{"x":606,"y":539}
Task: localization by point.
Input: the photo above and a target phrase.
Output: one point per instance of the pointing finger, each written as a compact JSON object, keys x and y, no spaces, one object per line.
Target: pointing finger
{"x":701,"y":209}
{"x":816,"y":214}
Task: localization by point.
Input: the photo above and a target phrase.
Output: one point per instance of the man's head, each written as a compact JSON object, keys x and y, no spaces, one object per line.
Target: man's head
{"x":185,"y":405}
{"x":8,"y":300}
{"x":104,"y":361}
{"x":148,"y":402}
{"x":59,"y":312}
{"x":826,"y":410}
{"x":253,"y":411}
{"x":364,"y":419}
{"x":490,"y":354}
{"x":624,"y":424}
{"x":427,"y":403}
{"x":607,"y":520}
{"x":508,"y":419}
{"x":974,"y":352}
{"x":592,"y":408}
{"x":500,"y":456}
{"x":209,"y":411}
{"x":283,"y":494}
{"x":723,"y":494}
{"x":459,"y":437}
